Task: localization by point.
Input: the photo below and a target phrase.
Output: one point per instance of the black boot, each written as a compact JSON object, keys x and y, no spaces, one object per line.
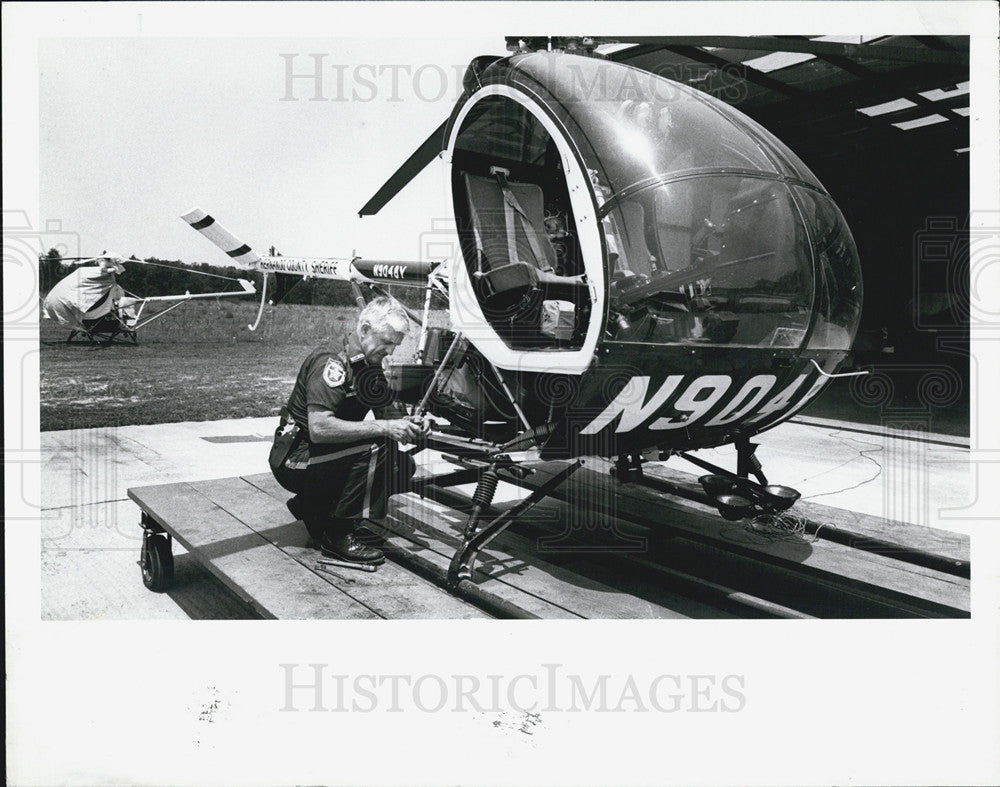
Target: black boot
{"x":341,"y":545}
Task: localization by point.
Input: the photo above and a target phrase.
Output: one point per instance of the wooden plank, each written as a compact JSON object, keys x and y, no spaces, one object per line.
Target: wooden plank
{"x":625,"y":572}
{"x":612,"y":574}
{"x":627,"y":566}
{"x":733,"y":579}
{"x":512,"y":559}
{"x":821,"y":558}
{"x":436,"y":550}
{"x":391,"y":591}
{"x":825,"y":559}
{"x":271,"y":581}
{"x":929,"y":539}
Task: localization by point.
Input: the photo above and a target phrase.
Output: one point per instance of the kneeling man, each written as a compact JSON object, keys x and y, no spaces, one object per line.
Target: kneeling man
{"x":341,"y":467}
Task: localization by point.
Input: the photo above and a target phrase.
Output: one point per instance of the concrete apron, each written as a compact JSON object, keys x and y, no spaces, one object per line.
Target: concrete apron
{"x":90,"y":533}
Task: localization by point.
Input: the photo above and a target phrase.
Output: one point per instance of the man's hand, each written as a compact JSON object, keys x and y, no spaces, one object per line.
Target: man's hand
{"x":423,"y":423}
{"x":402,"y":430}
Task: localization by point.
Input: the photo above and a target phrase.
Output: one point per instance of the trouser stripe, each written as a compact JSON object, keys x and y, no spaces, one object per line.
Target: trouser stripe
{"x":358,"y":449}
{"x":372,"y":462}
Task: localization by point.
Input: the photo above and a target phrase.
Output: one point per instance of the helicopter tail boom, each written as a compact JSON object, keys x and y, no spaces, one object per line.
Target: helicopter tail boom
{"x":338,"y":269}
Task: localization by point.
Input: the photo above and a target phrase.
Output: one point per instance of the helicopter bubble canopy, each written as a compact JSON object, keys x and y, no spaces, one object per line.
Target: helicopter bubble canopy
{"x":598,"y":203}
{"x":631,"y":125}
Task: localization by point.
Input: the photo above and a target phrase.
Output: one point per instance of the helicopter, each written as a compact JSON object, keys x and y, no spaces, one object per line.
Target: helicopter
{"x":643,"y":271}
{"x":90,"y":302}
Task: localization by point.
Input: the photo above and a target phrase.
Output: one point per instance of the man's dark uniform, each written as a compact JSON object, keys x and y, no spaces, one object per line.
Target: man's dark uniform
{"x":339,"y":484}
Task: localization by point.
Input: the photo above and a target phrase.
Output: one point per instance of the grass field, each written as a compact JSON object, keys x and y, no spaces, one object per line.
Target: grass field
{"x":198,"y":363}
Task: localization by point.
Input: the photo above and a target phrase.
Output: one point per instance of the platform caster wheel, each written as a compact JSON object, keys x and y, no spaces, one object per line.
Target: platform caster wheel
{"x":156,"y":562}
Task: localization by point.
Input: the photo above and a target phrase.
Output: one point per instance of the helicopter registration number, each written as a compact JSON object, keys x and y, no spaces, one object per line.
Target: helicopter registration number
{"x":381,"y":271}
{"x":751,"y":402}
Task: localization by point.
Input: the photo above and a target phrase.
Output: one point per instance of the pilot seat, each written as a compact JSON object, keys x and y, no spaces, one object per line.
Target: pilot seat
{"x":515,"y":278}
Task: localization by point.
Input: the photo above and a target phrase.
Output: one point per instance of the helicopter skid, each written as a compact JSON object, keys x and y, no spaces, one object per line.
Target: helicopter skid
{"x":465,"y":557}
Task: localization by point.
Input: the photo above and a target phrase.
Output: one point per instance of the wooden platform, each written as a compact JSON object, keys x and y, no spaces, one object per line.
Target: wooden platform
{"x":240,"y":529}
{"x":251,"y":542}
{"x":672,"y":558}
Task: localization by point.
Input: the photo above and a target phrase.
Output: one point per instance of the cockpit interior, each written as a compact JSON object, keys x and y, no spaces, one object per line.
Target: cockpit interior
{"x":516,"y":225}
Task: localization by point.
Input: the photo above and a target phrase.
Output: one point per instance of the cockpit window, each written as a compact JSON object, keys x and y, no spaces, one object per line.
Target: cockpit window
{"x":631,"y":125}
{"x":517,"y":228}
{"x":714,"y":232}
{"x":838,"y":283}
{"x":709,"y":260}
{"x":503,"y":130}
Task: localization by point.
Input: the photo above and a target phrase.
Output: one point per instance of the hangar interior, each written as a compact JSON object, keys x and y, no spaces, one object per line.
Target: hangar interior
{"x":883,"y":122}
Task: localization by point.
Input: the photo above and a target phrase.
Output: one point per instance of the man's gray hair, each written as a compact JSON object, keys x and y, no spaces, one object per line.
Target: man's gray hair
{"x":383,"y":314}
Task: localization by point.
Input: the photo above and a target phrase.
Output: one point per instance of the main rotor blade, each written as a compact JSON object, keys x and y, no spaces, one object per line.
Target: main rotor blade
{"x":412,"y":167}
{"x":235,"y":249}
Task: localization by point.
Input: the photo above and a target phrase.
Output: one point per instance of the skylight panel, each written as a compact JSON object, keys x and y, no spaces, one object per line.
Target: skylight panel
{"x":936,"y":95}
{"x":849,"y":39}
{"x":776,"y":60}
{"x":928,"y":120}
{"x":839,"y":39}
{"x":888,"y":106}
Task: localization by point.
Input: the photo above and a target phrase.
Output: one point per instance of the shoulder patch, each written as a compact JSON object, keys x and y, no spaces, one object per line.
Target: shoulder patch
{"x":333,"y":373}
